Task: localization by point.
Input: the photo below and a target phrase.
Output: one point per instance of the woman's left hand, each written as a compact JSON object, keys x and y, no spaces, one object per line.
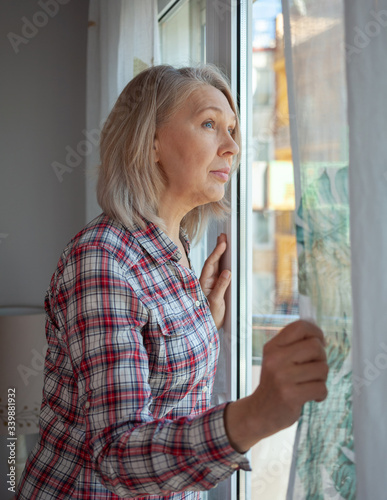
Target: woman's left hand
{"x":214,"y":285}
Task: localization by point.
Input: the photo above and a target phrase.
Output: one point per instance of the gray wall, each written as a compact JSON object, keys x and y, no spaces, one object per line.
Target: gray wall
{"x":42,"y":111}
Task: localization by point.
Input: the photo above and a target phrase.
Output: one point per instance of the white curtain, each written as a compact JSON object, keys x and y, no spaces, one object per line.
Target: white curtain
{"x":122,"y":41}
{"x":323,"y":465}
{"x":366,"y":43}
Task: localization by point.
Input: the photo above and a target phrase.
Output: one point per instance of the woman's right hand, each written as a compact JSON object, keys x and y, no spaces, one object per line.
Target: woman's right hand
{"x":294,"y":371}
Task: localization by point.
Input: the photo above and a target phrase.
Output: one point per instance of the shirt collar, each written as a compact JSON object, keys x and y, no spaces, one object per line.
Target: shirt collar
{"x":158,"y":245}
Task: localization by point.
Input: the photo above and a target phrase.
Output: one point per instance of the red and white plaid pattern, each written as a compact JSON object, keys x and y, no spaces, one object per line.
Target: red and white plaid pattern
{"x":128,"y":375}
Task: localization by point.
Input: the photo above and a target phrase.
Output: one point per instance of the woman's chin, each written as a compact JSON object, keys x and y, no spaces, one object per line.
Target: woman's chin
{"x":217,"y":193}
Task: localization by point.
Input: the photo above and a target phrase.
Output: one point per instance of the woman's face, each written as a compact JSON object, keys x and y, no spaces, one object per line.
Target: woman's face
{"x":195,"y":149}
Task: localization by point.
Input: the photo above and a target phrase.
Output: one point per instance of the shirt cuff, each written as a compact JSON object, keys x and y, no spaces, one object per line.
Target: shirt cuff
{"x":209,"y":439}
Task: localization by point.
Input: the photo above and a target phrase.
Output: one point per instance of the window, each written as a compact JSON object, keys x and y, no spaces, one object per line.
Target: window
{"x":274,"y":297}
{"x":263,"y":296}
{"x":182,"y":33}
{"x":182,"y":29}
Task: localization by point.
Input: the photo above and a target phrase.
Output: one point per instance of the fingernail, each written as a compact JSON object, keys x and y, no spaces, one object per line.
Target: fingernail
{"x":226,"y":274}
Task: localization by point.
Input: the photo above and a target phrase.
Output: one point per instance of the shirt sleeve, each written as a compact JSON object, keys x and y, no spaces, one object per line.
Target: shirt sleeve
{"x":132,"y":453}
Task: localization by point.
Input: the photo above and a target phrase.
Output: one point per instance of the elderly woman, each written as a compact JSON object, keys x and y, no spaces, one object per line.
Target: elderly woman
{"x":133,"y":333}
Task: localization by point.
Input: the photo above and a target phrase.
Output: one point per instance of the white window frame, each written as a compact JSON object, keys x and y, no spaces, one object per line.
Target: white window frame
{"x":228,"y":46}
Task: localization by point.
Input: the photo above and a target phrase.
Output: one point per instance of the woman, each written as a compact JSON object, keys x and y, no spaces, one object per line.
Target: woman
{"x":132,"y":332}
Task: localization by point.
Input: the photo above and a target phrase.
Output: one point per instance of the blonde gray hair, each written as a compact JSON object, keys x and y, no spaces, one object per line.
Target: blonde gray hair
{"x":129,"y":182}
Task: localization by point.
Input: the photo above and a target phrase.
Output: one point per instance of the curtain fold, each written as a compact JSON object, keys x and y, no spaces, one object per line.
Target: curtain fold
{"x":122,"y":41}
{"x":366,"y":42}
{"x":324,"y":461}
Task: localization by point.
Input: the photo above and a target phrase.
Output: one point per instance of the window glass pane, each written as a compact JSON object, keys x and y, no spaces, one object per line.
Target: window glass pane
{"x":274,"y":276}
{"x":182,"y":42}
{"x":182,"y":34}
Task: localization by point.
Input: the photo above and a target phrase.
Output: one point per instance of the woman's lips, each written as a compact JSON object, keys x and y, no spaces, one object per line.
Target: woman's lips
{"x":221,"y":174}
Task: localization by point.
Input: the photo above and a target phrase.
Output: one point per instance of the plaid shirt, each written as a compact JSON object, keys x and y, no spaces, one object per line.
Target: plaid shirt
{"x":128,"y":375}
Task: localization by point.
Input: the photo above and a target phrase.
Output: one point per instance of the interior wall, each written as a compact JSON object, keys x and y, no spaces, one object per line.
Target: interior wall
{"x":42,"y":142}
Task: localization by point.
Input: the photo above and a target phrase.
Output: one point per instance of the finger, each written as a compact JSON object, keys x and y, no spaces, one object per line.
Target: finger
{"x":311,"y":391}
{"x":221,"y":286}
{"x":222,"y":237}
{"x":211,"y":265}
{"x":218,"y":251}
{"x":308,"y":372}
{"x":299,"y":330}
{"x":305,"y":351}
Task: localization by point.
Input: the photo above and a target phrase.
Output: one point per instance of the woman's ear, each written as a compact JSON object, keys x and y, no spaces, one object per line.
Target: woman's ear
{"x":156,"y":148}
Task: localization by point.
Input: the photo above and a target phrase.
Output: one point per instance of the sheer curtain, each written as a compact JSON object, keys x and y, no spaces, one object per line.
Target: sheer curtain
{"x":366,"y":42}
{"x":324,"y":461}
{"x":122,"y":41}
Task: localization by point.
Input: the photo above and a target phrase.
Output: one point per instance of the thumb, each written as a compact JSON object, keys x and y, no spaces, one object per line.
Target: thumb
{"x":221,"y":285}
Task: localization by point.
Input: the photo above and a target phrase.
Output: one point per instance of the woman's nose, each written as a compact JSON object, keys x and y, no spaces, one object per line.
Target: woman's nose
{"x":228,"y":147}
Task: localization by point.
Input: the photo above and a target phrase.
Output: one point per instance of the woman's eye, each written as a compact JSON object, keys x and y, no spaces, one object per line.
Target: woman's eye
{"x":209,"y":124}
{"x":231,"y":131}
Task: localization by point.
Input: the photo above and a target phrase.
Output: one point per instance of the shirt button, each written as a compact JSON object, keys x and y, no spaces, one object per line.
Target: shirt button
{"x":205,"y":389}
{"x":234,"y":466}
{"x":210,"y":345}
{"x":87,"y":405}
{"x":197,"y":303}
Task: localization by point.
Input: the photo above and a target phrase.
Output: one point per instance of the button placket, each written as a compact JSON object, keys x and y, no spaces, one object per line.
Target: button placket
{"x":202,"y":301}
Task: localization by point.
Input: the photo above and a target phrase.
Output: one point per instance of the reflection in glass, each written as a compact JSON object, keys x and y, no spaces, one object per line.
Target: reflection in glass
{"x":274,"y":278}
